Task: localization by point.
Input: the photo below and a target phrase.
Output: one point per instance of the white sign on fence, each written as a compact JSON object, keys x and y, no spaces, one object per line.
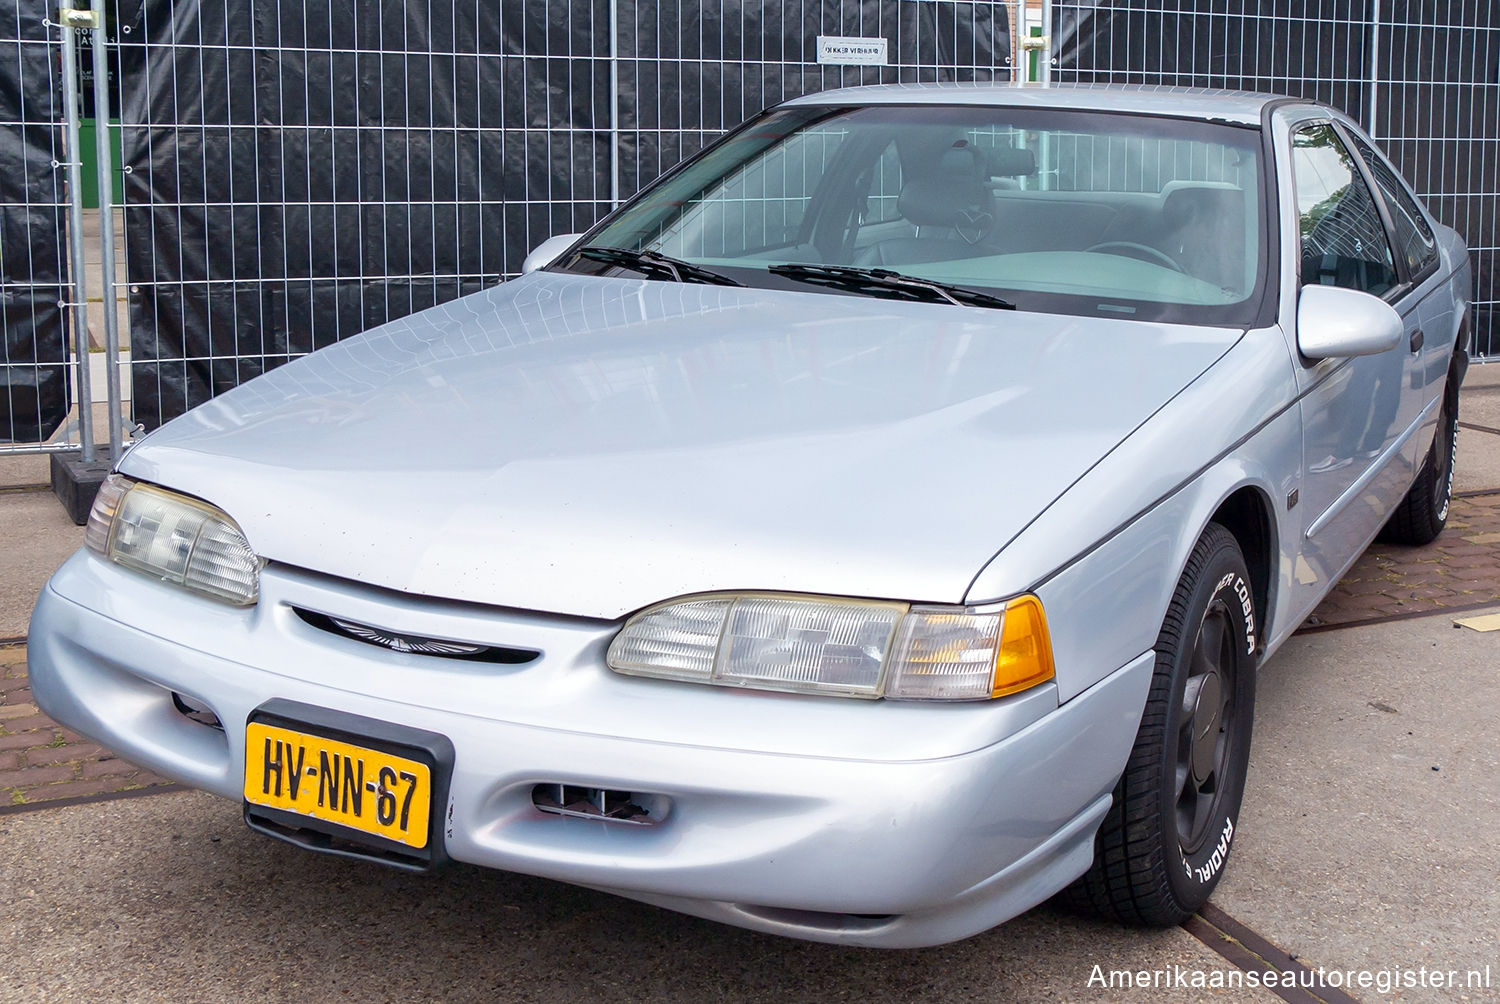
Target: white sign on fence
{"x":846,"y":51}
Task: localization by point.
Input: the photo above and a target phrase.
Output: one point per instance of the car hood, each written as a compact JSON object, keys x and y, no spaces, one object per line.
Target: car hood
{"x":588,"y":445}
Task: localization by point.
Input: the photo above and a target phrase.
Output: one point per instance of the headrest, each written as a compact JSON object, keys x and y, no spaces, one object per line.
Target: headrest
{"x":1191,"y":203}
{"x":1008,"y":162}
{"x":946,"y":200}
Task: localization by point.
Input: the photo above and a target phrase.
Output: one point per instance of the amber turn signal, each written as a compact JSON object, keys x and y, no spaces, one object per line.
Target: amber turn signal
{"x":1024,"y":658}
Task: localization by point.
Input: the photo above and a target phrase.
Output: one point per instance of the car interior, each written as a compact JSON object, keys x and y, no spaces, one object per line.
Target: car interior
{"x":966,"y":202}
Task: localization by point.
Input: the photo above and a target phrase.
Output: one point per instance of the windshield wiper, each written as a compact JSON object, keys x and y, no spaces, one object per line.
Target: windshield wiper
{"x":882,"y":281}
{"x":657,"y":265}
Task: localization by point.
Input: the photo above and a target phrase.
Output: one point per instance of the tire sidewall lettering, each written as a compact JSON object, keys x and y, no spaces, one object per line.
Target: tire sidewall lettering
{"x":1447,"y":503}
{"x":1202,"y":868}
{"x":1205,"y":873}
{"x":1241,"y":599}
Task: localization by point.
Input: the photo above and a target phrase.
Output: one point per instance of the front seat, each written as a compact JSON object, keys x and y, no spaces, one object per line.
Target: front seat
{"x":950,"y":205}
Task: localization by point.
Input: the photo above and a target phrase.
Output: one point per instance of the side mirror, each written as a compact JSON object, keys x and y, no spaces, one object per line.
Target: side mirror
{"x":1334,"y":321}
{"x":548,"y":251}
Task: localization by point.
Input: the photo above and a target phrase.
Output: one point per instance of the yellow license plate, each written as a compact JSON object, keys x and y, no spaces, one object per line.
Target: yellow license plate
{"x":367,"y":790}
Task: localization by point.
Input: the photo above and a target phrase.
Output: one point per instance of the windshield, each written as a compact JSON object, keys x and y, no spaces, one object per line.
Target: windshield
{"x":1063,"y":211}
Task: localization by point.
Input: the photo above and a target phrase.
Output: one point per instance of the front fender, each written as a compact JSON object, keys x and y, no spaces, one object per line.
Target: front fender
{"x":1114,"y":598}
{"x":1106,"y":556}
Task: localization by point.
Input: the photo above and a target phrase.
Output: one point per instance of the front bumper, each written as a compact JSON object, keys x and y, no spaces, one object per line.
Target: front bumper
{"x":880,"y":824}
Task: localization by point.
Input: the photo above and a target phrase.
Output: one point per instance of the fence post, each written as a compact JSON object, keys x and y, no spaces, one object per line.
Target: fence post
{"x":1043,"y":46}
{"x":614,"y":104}
{"x":1028,"y":44}
{"x":1046,"y":60}
{"x":1374,"y":65}
{"x":105,"y":156}
{"x":70,"y":21}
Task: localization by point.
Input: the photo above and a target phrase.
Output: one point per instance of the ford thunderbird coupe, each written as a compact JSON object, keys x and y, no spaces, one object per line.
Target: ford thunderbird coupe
{"x":865,"y":533}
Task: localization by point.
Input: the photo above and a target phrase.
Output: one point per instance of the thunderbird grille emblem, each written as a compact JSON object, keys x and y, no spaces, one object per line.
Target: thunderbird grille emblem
{"x":406,"y":643}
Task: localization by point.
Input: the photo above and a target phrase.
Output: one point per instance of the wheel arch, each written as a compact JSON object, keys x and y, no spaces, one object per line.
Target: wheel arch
{"x":1247,"y":514}
{"x":1458,"y":362}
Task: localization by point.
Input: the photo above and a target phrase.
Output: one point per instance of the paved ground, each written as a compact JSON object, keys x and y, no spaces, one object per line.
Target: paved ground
{"x":36,"y":536}
{"x":1371,"y":828}
{"x":1479,"y":418}
{"x":40,"y":760}
{"x":1459,"y":569}
{"x":285,"y":925}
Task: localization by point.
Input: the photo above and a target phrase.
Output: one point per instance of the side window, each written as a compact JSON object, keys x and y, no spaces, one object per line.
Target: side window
{"x":1414,"y":239}
{"x":1343,"y":240}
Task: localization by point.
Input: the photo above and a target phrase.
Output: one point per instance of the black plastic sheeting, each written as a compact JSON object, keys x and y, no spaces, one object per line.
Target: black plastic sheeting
{"x":297,"y":175}
{"x":1437,"y":126}
{"x":33,"y":272}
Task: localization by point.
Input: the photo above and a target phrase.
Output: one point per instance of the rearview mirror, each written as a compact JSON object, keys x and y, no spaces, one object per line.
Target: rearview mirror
{"x":548,"y":251}
{"x":1334,"y":321}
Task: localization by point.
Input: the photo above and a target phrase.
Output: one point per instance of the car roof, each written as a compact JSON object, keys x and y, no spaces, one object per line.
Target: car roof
{"x":1238,"y":107}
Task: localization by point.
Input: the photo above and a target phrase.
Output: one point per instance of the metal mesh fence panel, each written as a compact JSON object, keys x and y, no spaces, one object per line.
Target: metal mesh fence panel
{"x":1422,"y":77}
{"x":1436,"y":112}
{"x":298,"y":173}
{"x":34,"y":385}
{"x":692,"y":69}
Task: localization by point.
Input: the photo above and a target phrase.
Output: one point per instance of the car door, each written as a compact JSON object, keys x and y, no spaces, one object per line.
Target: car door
{"x":1353,"y":469}
{"x":1428,"y":318}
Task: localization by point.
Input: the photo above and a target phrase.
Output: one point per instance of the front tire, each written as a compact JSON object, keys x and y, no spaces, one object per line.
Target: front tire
{"x":1162,"y":846}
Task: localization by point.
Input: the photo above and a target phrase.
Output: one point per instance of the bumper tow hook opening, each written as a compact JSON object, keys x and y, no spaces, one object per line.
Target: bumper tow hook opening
{"x":195,"y":711}
{"x":593,"y":803}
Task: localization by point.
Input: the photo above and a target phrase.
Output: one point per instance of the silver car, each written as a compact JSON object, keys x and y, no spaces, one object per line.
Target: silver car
{"x":869,"y":531}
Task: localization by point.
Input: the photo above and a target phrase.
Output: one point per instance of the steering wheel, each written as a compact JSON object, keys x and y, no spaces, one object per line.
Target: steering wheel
{"x":1140,"y":252}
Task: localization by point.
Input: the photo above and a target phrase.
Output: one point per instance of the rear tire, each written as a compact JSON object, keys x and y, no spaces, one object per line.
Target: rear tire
{"x":1162,"y":846}
{"x":1423,"y":513}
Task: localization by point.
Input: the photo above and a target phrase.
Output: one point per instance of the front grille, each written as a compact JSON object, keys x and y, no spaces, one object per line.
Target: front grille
{"x":596,"y":803}
{"x":400,"y":641}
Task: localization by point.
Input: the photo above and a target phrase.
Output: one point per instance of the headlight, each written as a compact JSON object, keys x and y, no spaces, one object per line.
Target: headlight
{"x":173,"y":538}
{"x":850,"y":648}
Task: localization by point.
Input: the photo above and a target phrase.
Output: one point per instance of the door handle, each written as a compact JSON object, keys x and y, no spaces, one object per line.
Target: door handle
{"x":1417,"y":338}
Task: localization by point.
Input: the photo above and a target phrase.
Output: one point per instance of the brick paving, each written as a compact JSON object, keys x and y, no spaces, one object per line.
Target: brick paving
{"x":40,"y":760}
{"x":1459,"y":569}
